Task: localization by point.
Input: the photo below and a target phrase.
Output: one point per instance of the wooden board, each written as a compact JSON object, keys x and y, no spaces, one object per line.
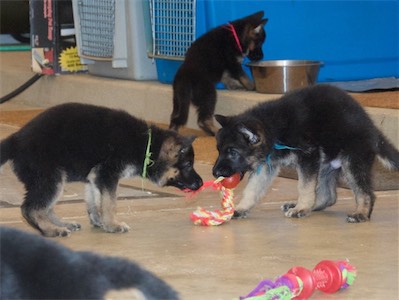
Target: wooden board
{"x":378,"y":99}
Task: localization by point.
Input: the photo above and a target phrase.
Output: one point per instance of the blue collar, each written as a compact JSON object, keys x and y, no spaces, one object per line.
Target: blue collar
{"x":268,"y":160}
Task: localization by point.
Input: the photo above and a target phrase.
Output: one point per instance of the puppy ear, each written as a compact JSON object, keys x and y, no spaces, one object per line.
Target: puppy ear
{"x":257,"y":16}
{"x":188,"y":140}
{"x":187,"y":143}
{"x":260,"y":25}
{"x":251,"y":136}
{"x":252,"y":19}
{"x":170,"y":149}
{"x":222,"y":120}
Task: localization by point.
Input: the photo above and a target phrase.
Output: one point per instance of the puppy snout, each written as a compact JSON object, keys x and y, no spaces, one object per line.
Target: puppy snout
{"x":224,"y":172}
{"x":216,"y":173}
{"x":196,"y":184}
{"x":255,"y":55}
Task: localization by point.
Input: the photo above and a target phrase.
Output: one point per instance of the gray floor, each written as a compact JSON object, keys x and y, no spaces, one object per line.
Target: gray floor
{"x":228,"y":261}
{"x":208,"y":262}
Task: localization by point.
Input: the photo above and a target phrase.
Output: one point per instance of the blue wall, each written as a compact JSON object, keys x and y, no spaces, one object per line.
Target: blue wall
{"x":355,"y":39}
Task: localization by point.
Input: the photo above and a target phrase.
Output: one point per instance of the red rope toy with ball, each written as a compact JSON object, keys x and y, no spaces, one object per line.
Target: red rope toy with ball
{"x":212,"y":218}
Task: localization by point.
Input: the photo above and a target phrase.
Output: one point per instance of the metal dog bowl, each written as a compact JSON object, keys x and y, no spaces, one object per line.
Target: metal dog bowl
{"x":281,"y":76}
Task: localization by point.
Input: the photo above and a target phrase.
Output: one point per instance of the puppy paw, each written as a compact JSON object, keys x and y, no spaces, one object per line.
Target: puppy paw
{"x":116,"y":227}
{"x":73,"y":226}
{"x":64,"y":233}
{"x":286,"y":206}
{"x":95,"y":223}
{"x":95,"y":219}
{"x":357,"y":218}
{"x":292,"y":211}
{"x":235,"y":86}
{"x":251,"y":88}
{"x":173,"y":127}
{"x":249,"y":85}
{"x":56,"y":232}
{"x":240,"y":214}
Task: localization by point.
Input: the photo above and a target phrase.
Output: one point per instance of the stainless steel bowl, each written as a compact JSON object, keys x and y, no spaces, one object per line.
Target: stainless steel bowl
{"x":281,"y":76}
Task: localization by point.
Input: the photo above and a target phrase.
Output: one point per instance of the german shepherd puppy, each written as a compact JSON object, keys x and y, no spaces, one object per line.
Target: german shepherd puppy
{"x":322,"y":132}
{"x":96,"y":145}
{"x":215,"y":56}
{"x":35,"y":268}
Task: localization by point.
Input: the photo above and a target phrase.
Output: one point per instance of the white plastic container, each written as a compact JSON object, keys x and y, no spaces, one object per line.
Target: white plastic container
{"x":111,"y":36}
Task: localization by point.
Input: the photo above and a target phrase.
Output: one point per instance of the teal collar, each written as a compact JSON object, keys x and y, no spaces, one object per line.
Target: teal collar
{"x":268,"y":160}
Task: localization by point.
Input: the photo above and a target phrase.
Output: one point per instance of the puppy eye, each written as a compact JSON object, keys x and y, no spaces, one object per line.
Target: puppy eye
{"x":188,"y":164}
{"x":232,"y":152}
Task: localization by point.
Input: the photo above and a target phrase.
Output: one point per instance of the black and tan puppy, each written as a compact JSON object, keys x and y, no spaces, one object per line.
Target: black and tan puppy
{"x":215,"y":56}
{"x":35,"y":268}
{"x":97,"y":145}
{"x":322,"y":132}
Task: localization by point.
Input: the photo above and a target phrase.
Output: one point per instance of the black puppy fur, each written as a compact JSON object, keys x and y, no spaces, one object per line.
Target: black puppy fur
{"x":331,"y":136}
{"x":96,"y":145}
{"x":35,"y":268}
{"x":213,"y":57}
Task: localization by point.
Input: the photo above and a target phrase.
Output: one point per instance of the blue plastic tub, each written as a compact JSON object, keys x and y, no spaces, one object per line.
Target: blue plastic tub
{"x":355,"y":40}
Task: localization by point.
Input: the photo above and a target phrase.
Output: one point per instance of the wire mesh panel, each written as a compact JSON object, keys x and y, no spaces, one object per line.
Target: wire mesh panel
{"x":97,"y":27}
{"x":173,"y":27}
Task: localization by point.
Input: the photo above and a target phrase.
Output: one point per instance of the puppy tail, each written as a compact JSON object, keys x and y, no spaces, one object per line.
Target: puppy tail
{"x":181,"y":105}
{"x":125,"y":275}
{"x":387,"y":153}
{"x":7,"y":149}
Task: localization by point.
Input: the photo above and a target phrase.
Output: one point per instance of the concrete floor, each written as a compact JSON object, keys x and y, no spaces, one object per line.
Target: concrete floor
{"x":228,"y":261}
{"x":209,"y":262}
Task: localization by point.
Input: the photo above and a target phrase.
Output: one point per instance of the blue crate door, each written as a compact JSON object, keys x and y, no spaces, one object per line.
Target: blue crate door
{"x":173,"y":31}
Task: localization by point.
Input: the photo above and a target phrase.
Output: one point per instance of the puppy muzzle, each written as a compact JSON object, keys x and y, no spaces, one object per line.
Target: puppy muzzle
{"x":256,"y":54}
{"x":192,"y":185}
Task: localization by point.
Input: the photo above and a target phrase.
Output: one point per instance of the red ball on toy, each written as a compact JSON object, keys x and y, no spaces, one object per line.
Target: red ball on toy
{"x":232,"y":181}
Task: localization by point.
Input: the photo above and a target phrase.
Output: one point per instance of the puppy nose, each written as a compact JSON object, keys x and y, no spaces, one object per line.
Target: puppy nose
{"x":197,"y":184}
{"x":218,"y":172}
{"x":256,"y":56}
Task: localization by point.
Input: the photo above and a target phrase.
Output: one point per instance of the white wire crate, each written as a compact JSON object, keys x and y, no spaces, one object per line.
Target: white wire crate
{"x":111,"y":38}
{"x":97,"y":27}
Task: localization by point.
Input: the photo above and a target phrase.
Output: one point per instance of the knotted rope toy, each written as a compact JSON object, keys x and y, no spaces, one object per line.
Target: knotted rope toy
{"x":299,"y":283}
{"x":212,"y":218}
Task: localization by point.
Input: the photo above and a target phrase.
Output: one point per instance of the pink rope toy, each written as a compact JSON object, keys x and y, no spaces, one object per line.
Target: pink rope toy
{"x":213,"y":218}
{"x":299,"y":283}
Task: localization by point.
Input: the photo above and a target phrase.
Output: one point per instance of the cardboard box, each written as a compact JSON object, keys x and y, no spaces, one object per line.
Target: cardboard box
{"x":53,"y":41}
